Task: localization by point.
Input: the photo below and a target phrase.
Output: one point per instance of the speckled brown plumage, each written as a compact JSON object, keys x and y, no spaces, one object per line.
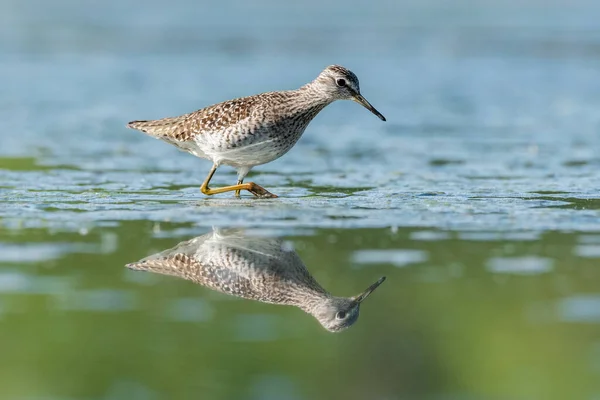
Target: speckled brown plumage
{"x":254,"y":268}
{"x":187,"y":126}
{"x":254,"y":130}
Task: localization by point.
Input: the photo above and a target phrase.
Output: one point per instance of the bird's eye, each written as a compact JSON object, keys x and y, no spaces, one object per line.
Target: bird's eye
{"x":341,"y":82}
{"x":340,"y":315}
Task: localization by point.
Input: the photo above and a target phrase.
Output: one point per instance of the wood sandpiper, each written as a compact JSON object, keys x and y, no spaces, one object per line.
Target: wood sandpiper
{"x":255,"y":268}
{"x":254,"y":130}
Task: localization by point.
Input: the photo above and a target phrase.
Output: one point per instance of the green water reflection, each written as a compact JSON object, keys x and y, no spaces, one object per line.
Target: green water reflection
{"x":462,"y":315}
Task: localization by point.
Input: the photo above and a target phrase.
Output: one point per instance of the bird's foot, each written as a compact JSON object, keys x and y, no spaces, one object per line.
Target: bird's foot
{"x":260,"y":191}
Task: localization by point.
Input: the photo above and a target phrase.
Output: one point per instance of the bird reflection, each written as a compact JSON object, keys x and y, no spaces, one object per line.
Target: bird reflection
{"x":255,"y":268}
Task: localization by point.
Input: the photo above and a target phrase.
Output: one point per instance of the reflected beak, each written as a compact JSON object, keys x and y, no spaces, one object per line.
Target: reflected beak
{"x":362,"y":101}
{"x":361,"y":297}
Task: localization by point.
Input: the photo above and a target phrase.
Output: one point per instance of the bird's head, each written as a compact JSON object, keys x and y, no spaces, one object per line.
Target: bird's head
{"x":339,"y":313}
{"x":339,"y":83}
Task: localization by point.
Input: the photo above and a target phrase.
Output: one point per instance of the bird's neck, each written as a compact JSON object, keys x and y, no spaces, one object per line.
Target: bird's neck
{"x":311,"y":302}
{"x":313,"y":97}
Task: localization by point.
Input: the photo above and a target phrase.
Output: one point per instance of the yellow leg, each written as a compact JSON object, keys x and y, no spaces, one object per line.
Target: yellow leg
{"x":252,"y":187}
{"x":237,"y":192}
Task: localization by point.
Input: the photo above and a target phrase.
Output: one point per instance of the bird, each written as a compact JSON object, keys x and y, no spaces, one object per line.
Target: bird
{"x":255,"y":268}
{"x":250,"y":131}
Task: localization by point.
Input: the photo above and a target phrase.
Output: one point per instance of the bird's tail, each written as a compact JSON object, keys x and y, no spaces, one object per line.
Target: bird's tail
{"x":158,"y":127}
{"x":139,"y":125}
{"x":179,"y":265}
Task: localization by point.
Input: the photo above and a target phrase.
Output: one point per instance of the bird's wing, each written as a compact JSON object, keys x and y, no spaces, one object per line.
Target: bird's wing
{"x":213,"y":276}
{"x":209,"y":119}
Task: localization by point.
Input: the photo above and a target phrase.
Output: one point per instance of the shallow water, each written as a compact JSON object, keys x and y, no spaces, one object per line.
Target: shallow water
{"x":478,"y":200}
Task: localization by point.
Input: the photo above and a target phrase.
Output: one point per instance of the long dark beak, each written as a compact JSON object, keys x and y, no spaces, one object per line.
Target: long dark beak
{"x":362,"y":101}
{"x":361,"y":297}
